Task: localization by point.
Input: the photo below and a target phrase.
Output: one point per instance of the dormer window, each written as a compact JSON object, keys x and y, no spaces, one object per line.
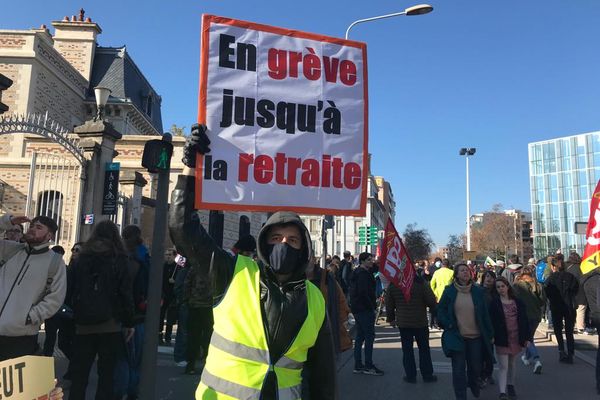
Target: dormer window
{"x":149,"y":101}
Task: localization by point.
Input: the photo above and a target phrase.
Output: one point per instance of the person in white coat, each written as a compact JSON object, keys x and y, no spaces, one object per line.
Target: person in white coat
{"x":33,"y":285}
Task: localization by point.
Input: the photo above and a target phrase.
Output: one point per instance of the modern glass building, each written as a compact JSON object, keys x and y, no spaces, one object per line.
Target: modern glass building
{"x":563,"y":174}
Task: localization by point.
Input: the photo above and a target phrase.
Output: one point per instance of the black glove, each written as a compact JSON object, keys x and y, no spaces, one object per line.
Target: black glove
{"x":196,"y":143}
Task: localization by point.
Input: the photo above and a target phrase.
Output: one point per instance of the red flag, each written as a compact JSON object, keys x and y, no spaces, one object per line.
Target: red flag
{"x":395,"y":263}
{"x":591,"y":253}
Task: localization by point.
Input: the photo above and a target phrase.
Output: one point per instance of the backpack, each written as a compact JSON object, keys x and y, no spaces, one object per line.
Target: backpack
{"x":539,"y":272}
{"x":95,"y":290}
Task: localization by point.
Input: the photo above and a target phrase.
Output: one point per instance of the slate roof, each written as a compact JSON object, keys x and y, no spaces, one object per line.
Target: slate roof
{"x":113,"y":68}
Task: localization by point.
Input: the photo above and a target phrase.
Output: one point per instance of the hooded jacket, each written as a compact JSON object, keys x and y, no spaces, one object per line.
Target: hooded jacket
{"x":283,"y":304}
{"x":29,"y":291}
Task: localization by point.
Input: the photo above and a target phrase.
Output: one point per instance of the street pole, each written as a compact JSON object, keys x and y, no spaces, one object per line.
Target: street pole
{"x":468,"y":209}
{"x":148,"y":368}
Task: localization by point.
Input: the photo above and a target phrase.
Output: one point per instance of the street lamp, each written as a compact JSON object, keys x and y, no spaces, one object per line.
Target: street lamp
{"x":101,"y":94}
{"x":468,"y":151}
{"x":419,"y":9}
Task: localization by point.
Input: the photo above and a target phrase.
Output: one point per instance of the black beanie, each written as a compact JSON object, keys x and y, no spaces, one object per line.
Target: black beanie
{"x":245,"y":243}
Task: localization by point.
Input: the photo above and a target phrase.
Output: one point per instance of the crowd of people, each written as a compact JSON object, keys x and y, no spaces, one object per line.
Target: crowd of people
{"x":264,"y":319}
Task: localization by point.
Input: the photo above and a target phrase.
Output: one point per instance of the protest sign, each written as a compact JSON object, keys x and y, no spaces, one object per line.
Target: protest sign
{"x":26,"y":378}
{"x":286,"y":113}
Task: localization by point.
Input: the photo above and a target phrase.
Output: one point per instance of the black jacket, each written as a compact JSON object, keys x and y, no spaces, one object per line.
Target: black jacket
{"x":575,"y":270}
{"x":561,"y":289}
{"x":284,"y":305}
{"x":499,"y":322}
{"x":590,"y":286}
{"x":362,"y":291}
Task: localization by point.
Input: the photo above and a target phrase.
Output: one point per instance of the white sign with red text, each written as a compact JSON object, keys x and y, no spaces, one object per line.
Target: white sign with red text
{"x":286,"y":113}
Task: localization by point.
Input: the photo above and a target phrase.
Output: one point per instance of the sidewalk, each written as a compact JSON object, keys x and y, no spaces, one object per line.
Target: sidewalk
{"x":585,"y":345}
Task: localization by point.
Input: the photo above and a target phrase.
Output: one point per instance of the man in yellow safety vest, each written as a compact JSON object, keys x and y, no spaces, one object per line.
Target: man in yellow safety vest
{"x":269,"y":320}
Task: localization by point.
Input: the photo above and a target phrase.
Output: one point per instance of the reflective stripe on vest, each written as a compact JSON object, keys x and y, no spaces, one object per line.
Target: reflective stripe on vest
{"x":238,"y":357}
{"x":251,"y":353}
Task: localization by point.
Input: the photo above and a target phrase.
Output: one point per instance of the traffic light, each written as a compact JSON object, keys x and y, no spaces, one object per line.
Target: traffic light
{"x":157,"y":155}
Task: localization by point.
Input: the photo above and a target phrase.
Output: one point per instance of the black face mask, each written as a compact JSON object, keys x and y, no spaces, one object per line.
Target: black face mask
{"x":283,"y":258}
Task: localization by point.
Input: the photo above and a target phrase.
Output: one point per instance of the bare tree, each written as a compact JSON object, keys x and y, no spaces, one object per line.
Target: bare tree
{"x":495,"y":234}
{"x":418,"y":242}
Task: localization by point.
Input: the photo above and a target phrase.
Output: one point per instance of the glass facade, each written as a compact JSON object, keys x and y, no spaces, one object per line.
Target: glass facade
{"x":563,"y":174}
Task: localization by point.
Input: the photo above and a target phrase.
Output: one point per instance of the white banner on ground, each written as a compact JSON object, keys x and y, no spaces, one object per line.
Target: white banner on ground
{"x":286,"y":112}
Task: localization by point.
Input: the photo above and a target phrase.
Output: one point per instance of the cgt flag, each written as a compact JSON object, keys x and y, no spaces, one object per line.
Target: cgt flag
{"x":397,"y":266}
{"x":591,"y":254}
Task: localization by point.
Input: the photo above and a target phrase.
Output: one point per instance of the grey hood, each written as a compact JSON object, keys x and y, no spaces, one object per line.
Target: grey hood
{"x":279,"y":218}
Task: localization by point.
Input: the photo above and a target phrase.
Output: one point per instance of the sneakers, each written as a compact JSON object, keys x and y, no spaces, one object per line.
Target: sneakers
{"x":589,"y":331}
{"x":525,"y":360}
{"x":510,"y":389}
{"x":562,"y":357}
{"x":569,"y":359}
{"x":372,"y":370}
{"x":537,"y":367}
{"x":430,"y":378}
{"x":503,"y":396}
{"x":358,"y":369}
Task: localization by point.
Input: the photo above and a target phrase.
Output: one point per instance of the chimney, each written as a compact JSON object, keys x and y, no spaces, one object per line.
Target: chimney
{"x":75,"y":40}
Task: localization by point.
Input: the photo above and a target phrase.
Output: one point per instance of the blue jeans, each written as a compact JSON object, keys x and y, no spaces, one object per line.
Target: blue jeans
{"x":365,"y":333}
{"x":466,"y":367}
{"x":421,"y":336}
{"x":531,"y":352}
{"x":127,"y":371}
{"x":179,"y":352}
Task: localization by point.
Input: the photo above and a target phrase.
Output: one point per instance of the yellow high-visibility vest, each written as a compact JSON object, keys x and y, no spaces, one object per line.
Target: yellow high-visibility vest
{"x":238,"y":355}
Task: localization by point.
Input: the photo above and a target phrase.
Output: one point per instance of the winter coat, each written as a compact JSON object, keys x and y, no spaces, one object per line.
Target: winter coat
{"x":452,"y":340}
{"x":499,"y":323}
{"x":590,"y":284}
{"x":575,"y":270}
{"x":362,"y":291}
{"x":283,"y":304}
{"x":30,"y":290}
{"x":411,"y":314}
{"x":531,"y":293}
{"x":561,"y":290}
{"x":337,"y":308}
{"x":122,"y":303}
{"x":441,"y":278}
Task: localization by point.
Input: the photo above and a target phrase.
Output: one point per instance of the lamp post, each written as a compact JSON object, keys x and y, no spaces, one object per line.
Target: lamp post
{"x":468,"y":151}
{"x":418,"y":9}
{"x":101,"y":94}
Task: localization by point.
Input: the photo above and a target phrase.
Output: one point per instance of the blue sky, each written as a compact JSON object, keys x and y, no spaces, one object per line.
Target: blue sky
{"x":486,"y":74}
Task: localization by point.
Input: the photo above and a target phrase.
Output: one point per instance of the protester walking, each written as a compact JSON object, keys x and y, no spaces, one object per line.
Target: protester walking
{"x":100,"y":289}
{"x":441,"y":278}
{"x":345,"y":272}
{"x":33,"y":285}
{"x":268,"y":305}
{"x":363,"y":305}
{"x":129,"y":366}
{"x":561,"y":289}
{"x":530,"y":292}
{"x":511,"y":334}
{"x":181,"y":338}
{"x":591,"y":289}
{"x":488,"y":283}
{"x":581,"y":321}
{"x":167,"y":308}
{"x":410,"y":316}
{"x":463,"y":315}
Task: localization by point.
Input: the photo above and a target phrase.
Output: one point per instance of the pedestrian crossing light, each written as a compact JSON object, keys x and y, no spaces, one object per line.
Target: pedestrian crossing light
{"x":157,"y":155}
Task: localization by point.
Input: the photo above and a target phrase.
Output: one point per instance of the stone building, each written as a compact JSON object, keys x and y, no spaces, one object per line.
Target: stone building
{"x":45,"y":157}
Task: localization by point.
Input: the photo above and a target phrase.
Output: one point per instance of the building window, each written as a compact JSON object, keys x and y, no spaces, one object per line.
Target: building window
{"x":50,"y":204}
{"x":149,"y":101}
